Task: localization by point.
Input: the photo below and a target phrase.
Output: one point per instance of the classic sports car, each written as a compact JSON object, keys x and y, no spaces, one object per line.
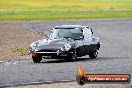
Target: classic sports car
{"x":66,"y":42}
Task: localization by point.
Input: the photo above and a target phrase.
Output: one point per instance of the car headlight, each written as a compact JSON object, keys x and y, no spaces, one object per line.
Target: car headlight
{"x":66,"y":47}
{"x":33,"y":46}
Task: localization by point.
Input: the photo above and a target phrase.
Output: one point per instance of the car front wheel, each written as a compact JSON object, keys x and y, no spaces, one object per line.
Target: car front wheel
{"x":73,"y":57}
{"x":93,"y":55}
{"x":36,"y":58}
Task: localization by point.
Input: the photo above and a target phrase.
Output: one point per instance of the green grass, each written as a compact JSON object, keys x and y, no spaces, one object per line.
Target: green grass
{"x":20,"y":51}
{"x":61,"y":9}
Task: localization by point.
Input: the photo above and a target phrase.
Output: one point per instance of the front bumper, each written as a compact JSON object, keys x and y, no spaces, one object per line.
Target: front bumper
{"x":58,"y":54}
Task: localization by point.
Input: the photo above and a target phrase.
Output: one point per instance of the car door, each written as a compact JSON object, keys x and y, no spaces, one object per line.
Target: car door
{"x":88,"y":40}
{"x":80,"y":47}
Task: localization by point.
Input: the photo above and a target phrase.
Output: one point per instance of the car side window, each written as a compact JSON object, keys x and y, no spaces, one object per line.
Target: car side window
{"x":87,"y":32}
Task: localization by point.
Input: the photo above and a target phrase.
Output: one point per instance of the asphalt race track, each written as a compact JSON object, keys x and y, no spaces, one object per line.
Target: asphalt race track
{"x":115,"y":54}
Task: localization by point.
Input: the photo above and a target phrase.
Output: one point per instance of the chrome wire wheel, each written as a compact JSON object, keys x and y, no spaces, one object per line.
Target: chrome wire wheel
{"x":74,"y":56}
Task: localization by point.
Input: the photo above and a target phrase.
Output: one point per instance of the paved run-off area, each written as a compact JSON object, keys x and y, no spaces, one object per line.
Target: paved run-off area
{"x":114,"y":56}
{"x":75,"y":85}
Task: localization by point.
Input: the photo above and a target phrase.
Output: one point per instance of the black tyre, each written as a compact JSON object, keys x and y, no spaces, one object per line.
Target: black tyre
{"x":93,"y":55}
{"x":37,"y":58}
{"x":72,"y":57}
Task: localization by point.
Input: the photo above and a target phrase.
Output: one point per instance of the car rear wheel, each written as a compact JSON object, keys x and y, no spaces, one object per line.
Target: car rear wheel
{"x":93,"y":55}
{"x":36,"y":58}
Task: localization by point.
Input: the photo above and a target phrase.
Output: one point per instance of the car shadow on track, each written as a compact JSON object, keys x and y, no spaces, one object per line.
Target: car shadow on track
{"x":65,"y":61}
{"x":80,"y":60}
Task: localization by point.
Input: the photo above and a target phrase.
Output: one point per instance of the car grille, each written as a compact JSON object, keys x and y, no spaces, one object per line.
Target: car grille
{"x":48,"y":50}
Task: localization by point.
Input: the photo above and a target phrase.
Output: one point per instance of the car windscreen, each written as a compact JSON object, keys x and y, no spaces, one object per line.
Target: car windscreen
{"x":74,"y":33}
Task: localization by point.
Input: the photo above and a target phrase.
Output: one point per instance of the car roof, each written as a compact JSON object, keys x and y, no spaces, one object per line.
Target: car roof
{"x":68,"y":26}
